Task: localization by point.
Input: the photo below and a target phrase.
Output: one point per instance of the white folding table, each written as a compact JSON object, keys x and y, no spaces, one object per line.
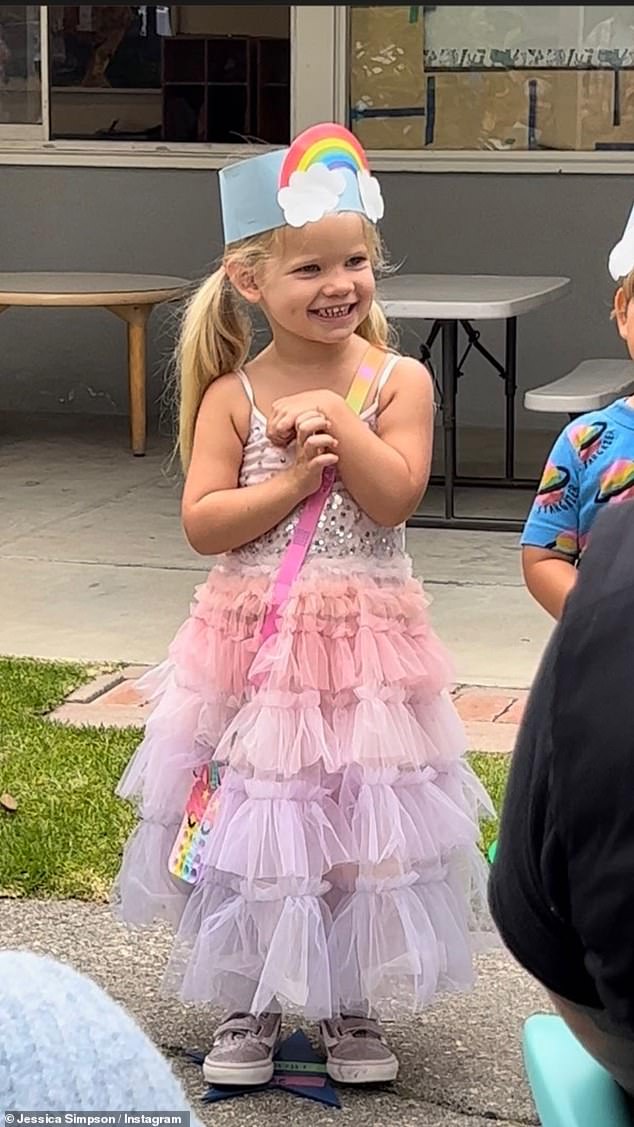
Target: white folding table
{"x":451,"y":301}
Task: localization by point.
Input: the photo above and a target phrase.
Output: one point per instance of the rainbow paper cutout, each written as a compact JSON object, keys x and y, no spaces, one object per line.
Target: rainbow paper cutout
{"x":328,"y":144}
{"x":187,"y":856}
{"x":325,"y":165}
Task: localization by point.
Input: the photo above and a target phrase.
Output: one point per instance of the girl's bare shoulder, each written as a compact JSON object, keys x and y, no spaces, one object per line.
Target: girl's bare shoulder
{"x":227,"y":397}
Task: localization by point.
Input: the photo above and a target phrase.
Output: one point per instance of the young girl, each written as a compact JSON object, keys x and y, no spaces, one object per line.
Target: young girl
{"x":341,"y":875}
{"x":590,"y":466}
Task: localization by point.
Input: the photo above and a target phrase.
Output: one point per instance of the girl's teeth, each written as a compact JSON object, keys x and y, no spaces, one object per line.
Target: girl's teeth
{"x":334,"y":311}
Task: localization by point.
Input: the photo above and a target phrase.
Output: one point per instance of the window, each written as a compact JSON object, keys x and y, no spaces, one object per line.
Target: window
{"x":20,"y":84}
{"x":502,"y":78}
{"x":207,"y":74}
{"x":183,"y":73}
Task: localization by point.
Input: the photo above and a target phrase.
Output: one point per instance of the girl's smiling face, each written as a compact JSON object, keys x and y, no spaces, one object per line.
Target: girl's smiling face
{"x":319,"y":284}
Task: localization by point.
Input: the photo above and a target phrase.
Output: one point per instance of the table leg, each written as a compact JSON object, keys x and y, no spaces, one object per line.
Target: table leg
{"x":136,"y":317}
{"x":137,"y":377}
{"x":510,"y":388}
{"x":449,"y":362}
{"x":427,"y":345}
{"x":449,"y":396}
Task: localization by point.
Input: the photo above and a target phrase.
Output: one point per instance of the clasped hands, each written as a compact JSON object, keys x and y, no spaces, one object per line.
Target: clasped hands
{"x":307,"y":419}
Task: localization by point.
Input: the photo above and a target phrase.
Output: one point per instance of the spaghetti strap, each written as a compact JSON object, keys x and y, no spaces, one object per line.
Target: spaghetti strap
{"x":388,"y":368}
{"x":246,"y":383}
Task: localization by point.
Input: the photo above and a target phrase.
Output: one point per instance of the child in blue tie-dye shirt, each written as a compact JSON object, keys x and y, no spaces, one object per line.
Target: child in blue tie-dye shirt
{"x":590,"y":465}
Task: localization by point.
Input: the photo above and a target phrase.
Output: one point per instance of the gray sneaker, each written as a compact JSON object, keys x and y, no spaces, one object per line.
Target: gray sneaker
{"x":243,"y":1050}
{"x":357,"y":1052}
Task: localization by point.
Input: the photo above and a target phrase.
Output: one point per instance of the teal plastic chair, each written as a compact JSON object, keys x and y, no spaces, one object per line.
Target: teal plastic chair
{"x":569,"y":1087}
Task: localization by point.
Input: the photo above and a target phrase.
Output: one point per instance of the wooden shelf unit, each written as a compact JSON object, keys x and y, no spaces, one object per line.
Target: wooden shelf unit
{"x":225,"y":89}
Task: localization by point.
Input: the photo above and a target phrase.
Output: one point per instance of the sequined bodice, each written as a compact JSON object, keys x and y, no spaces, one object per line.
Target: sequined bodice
{"x":344,"y":530}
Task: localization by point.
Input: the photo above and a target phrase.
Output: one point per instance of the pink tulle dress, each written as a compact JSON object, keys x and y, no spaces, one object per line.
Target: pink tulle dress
{"x":342,"y":873}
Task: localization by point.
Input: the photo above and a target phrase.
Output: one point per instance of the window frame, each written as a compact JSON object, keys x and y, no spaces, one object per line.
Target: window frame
{"x":320,"y":36}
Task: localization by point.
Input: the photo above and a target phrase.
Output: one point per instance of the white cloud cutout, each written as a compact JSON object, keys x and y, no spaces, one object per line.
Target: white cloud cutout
{"x":371,"y":197}
{"x":311,"y":194}
{"x":621,"y":260}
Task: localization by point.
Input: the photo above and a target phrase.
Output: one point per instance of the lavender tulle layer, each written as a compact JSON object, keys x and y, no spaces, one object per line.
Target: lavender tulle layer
{"x":343,"y":872}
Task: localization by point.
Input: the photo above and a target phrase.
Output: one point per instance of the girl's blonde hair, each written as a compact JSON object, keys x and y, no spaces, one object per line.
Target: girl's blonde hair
{"x":625,"y":284}
{"x":216,"y":332}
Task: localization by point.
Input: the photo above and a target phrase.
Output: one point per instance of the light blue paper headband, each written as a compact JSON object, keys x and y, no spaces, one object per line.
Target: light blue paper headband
{"x":325,"y":170}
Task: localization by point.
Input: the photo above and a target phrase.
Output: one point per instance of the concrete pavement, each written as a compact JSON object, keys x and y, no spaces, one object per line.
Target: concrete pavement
{"x":94,"y":567}
{"x":460,"y":1061}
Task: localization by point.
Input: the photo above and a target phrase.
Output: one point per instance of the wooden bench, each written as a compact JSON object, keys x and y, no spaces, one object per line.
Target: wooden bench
{"x":589,"y":386}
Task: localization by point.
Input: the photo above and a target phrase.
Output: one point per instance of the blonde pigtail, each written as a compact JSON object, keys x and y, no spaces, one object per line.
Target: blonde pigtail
{"x":376,"y":329}
{"x":215,"y":339}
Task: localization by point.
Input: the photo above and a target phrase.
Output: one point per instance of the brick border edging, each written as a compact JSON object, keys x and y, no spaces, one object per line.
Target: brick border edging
{"x":110,"y":700}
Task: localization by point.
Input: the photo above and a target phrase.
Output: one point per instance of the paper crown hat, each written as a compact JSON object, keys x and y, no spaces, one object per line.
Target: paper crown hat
{"x":325,"y":170}
{"x":621,"y":260}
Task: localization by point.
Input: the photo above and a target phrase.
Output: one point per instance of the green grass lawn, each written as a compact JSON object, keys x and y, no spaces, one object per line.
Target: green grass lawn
{"x":66,"y":836}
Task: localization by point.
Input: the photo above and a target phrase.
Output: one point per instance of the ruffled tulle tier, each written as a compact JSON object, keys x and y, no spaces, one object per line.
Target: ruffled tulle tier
{"x":383,"y":823}
{"x":337,"y":634}
{"x":385,"y":946}
{"x":343,"y":869}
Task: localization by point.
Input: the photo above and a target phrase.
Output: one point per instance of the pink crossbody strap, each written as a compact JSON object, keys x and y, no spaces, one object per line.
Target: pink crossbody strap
{"x":297,"y":550}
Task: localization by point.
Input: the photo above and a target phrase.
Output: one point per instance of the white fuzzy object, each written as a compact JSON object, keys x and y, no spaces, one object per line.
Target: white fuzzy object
{"x":621,"y":260}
